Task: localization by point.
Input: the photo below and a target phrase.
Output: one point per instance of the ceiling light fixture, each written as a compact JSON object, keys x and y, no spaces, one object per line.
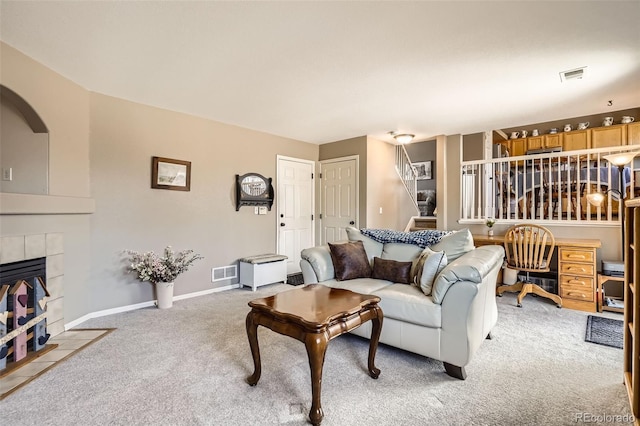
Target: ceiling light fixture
{"x":403,"y":138}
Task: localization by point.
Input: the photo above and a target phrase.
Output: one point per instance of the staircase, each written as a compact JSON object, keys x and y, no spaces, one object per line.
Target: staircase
{"x":407,"y":172}
{"x":420,"y":223}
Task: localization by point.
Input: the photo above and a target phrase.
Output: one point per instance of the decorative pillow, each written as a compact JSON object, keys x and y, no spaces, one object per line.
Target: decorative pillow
{"x":429,"y":264}
{"x":391,"y":270}
{"x":371,"y":246}
{"x":350,"y":260}
{"x":456,"y":244}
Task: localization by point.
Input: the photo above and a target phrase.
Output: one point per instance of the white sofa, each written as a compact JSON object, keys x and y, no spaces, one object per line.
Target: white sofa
{"x":450,"y":324}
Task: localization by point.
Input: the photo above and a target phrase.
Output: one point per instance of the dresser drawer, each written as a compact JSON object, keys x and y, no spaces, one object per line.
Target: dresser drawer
{"x":577,"y":288}
{"x":570,"y":255}
{"x":577,"y":268}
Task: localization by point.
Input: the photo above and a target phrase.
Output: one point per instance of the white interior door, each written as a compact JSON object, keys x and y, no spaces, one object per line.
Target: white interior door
{"x":295,"y":208}
{"x":339,"y":198}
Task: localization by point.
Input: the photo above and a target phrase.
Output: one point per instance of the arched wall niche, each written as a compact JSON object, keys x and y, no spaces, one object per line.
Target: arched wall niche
{"x":30,"y":115}
{"x":24,"y":146}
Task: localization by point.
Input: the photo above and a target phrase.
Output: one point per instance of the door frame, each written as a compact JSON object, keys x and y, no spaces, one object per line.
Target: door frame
{"x":313,"y":197}
{"x":357,"y":172}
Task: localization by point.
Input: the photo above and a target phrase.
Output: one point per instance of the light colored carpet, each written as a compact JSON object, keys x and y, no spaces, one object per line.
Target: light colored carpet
{"x":187,"y":366}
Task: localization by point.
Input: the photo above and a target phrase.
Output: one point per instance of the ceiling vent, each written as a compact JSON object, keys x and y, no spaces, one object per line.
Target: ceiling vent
{"x":574,"y":74}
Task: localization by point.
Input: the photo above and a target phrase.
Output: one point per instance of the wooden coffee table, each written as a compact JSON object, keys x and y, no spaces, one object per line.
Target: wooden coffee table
{"x":314,"y":314}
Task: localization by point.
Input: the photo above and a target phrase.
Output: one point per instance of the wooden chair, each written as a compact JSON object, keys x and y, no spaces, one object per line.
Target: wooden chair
{"x":529,"y":248}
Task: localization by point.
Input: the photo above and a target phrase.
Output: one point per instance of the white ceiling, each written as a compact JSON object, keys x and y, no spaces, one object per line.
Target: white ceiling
{"x":325,"y":71}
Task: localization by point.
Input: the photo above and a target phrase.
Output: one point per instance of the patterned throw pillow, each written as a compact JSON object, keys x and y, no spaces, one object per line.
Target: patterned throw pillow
{"x":350,"y":260}
{"x":429,"y":264}
{"x":391,"y":270}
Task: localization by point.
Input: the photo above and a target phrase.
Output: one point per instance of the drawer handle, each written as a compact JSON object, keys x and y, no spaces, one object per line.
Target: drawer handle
{"x":577,"y":256}
{"x":573,"y":268}
{"x":572,"y":293}
{"x":577,"y":281}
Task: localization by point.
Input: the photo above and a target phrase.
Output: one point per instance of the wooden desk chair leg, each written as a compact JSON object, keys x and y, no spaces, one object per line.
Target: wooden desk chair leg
{"x":511,"y":288}
{"x":527,"y":288}
{"x":536,"y":289}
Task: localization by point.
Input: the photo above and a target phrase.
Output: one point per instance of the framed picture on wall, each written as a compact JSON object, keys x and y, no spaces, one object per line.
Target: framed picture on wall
{"x":167,"y":173}
{"x":424,"y":170}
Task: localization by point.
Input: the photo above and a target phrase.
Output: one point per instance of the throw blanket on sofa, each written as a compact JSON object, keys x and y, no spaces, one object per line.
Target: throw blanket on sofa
{"x":424,"y":238}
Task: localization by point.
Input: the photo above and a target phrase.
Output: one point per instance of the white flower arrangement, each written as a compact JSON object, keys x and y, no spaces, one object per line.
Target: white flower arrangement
{"x":151,"y":267}
{"x":490,"y":222}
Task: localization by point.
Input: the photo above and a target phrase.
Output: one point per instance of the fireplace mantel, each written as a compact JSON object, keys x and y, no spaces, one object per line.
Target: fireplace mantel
{"x":44,"y":204}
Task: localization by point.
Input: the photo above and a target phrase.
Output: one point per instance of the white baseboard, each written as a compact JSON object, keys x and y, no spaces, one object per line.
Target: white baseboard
{"x":127,"y":308}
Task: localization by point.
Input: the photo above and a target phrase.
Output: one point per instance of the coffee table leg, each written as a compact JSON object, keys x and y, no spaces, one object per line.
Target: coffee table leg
{"x":252,"y":334}
{"x":316,"y":345}
{"x":373,"y":345}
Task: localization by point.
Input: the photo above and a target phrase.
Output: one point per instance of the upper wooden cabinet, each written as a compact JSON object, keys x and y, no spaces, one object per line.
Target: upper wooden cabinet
{"x":602,"y":137}
{"x":633,"y":133}
{"x":598,"y":137}
{"x":553,"y":141}
{"x":535,"y":142}
{"x":517,"y":147}
{"x":576,"y":140}
{"x":544,"y":141}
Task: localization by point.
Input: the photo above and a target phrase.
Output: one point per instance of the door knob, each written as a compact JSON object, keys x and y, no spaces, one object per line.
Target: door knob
{"x":352,"y":223}
{"x":281,"y":223}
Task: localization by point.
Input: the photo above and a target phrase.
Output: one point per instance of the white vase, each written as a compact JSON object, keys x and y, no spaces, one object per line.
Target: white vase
{"x":490,"y":232}
{"x":164,"y":293}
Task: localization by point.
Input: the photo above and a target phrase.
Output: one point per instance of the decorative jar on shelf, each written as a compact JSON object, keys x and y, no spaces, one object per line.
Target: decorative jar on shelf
{"x":490,"y":232}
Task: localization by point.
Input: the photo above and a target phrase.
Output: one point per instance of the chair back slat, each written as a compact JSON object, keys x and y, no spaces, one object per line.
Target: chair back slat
{"x":529,"y":247}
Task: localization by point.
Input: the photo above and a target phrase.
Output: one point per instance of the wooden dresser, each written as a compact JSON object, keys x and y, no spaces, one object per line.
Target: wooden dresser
{"x":577,"y":269}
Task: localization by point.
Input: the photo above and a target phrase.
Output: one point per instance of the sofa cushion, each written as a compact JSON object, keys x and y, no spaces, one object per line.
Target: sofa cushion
{"x":455,"y":244}
{"x":359,"y":285}
{"x":428,"y":265}
{"x":391,"y":270}
{"x":408,"y":303}
{"x":320,"y":259}
{"x":401,"y":252}
{"x":350,"y":260}
{"x":371,"y":246}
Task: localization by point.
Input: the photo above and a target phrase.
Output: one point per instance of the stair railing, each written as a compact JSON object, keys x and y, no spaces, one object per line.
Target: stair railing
{"x":407,"y":173}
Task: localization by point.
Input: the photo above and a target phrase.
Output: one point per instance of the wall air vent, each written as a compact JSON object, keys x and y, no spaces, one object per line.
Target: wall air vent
{"x":224,"y":273}
{"x":574,"y":74}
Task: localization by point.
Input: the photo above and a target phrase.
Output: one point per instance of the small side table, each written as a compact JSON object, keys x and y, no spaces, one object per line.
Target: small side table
{"x":600,"y":293}
{"x":263,"y":269}
{"x":314,"y":314}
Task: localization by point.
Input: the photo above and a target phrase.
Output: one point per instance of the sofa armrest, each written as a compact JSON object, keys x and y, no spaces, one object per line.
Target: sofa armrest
{"x":308,"y":274}
{"x":318,"y":266}
{"x":473,"y":266}
{"x":469,"y":311}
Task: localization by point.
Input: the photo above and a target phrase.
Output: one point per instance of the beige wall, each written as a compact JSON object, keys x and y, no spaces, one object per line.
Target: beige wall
{"x":385,"y":190}
{"x":354,"y":146}
{"x":131,"y":215}
{"x":24,"y":152}
{"x":64,"y":107}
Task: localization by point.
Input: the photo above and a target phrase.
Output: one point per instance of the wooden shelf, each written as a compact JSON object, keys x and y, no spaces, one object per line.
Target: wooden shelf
{"x":632,"y":307}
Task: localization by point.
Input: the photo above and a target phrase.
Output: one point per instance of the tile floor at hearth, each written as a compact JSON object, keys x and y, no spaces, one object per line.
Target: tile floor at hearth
{"x":69,"y":343}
